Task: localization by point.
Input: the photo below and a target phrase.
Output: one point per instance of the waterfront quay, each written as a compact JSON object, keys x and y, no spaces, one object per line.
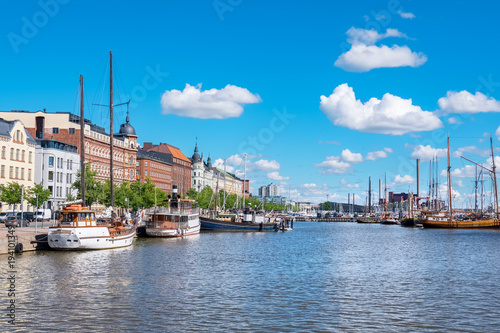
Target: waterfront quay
{"x":26,"y":236}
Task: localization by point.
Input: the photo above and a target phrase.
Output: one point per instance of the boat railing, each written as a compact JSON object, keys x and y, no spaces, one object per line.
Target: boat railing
{"x":166,"y":225}
{"x":172,"y":211}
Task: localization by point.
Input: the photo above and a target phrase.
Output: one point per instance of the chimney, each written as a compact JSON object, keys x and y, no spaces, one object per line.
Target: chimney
{"x":147,"y":145}
{"x":379,"y":189}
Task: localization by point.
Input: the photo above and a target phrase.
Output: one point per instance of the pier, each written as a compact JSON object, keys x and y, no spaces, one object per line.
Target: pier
{"x":25,"y":236}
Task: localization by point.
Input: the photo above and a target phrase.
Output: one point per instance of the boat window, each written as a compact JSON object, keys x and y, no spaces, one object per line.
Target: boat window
{"x":88,"y":216}
{"x":79,"y":216}
{"x":92,"y":216}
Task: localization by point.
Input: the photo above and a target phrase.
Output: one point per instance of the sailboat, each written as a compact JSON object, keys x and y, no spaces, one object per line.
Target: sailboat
{"x":387,"y":218}
{"x":433,"y":220}
{"x":77,"y":227}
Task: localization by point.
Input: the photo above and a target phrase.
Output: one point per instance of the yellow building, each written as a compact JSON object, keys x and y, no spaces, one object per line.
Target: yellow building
{"x":17,"y":156}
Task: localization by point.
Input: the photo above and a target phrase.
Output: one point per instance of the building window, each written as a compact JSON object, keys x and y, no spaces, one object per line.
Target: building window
{"x":11,"y":171}
{"x":71,"y":131}
{"x":29,"y":174}
{"x":22,"y":173}
{"x":22,"y":155}
{"x":51,"y":176}
{"x":11,"y":153}
{"x":2,"y":171}
{"x":55,"y":130}
{"x":146,"y":173}
{"x":51,"y":189}
{"x":137,"y":163}
{"x":17,"y":154}
{"x":3,"y":151}
{"x":51,"y":160}
{"x":29,"y":157}
{"x":17,"y":172}
{"x":131,"y":173}
{"x":146,"y":163}
{"x":131,"y":159}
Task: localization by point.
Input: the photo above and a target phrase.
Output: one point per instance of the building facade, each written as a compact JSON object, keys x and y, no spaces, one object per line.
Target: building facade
{"x":157,"y":166}
{"x":181,"y":173}
{"x":17,"y":157}
{"x":271,"y":190}
{"x":65,"y":127}
{"x":57,"y":164}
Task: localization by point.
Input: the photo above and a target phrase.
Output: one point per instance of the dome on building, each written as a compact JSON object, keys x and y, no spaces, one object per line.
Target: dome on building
{"x":126,"y":128}
{"x":196,"y":157}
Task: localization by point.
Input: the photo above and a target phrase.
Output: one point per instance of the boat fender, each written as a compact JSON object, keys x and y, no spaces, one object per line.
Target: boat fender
{"x":261,"y":226}
{"x":18,"y":248}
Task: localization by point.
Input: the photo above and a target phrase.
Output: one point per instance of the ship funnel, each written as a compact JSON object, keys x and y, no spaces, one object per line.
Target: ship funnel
{"x":174,"y":192}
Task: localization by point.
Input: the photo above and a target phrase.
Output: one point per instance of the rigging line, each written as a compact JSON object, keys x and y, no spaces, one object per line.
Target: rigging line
{"x":76,"y":97}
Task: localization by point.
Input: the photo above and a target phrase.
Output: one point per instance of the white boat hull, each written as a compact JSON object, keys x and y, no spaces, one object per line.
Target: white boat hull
{"x":179,"y":232}
{"x":89,"y":238}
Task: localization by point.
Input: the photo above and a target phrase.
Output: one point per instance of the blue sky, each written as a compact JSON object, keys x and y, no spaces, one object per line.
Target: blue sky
{"x":263,"y":67}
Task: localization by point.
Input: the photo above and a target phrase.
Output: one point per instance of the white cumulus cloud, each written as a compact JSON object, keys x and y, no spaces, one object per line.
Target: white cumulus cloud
{"x":406,"y":15}
{"x":362,"y":58}
{"x":275,"y":175}
{"x":370,"y":37}
{"x":350,"y":157}
{"x":208,"y":104}
{"x":333,"y":165}
{"x":465,"y":102}
{"x":403,"y":180}
{"x":219,"y":163}
{"x":265,"y":165}
{"x":375,"y":155}
{"x":427,"y":153}
{"x":497,"y":133}
{"x":390,"y":115}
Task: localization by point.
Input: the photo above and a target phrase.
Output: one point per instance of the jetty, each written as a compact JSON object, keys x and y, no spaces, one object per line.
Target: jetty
{"x":24,"y":238}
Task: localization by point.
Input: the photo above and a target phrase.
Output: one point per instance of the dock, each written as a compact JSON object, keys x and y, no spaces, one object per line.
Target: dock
{"x":325,"y":219}
{"x":25,"y":236}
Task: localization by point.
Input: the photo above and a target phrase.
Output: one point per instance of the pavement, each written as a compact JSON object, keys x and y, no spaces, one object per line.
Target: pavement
{"x":25,"y":236}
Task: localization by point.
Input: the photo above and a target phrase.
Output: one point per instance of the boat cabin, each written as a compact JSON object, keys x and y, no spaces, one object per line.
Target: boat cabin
{"x":77,"y":216}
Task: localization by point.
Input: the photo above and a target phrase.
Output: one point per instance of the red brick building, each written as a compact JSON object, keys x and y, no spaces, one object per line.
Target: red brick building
{"x":157,"y":166}
{"x":181,"y":174}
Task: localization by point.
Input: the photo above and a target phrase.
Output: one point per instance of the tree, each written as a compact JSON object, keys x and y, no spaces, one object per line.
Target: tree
{"x":205,"y":196}
{"x":11,"y":194}
{"x":93,"y":189}
{"x":192,"y":194}
{"x":37,"y":195}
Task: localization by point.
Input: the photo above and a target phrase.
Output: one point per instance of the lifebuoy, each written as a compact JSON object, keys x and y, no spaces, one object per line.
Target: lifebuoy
{"x":18,"y":248}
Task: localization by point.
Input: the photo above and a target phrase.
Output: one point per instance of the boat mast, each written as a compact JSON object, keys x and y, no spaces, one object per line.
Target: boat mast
{"x":82,"y":145}
{"x":494,"y":176}
{"x":449,"y":182}
{"x":385,"y":195}
{"x":111,"y":169}
{"x":244,"y":177}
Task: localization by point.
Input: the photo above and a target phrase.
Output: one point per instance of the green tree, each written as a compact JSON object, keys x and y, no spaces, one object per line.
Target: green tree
{"x":205,"y":196}
{"x":11,"y":194}
{"x":93,"y":189}
{"x":37,"y":195}
{"x":192,"y":194}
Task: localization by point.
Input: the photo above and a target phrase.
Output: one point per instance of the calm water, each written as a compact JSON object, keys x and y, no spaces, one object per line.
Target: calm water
{"x":321,"y":277}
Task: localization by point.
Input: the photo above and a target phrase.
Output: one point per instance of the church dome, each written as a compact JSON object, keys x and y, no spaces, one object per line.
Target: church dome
{"x":196,"y":157}
{"x":126,"y":128}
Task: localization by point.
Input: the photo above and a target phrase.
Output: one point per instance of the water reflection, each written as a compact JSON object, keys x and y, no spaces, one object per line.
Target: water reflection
{"x":319,"y":277}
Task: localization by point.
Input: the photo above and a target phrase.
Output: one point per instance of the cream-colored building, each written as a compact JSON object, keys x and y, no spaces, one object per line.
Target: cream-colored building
{"x":17,"y":157}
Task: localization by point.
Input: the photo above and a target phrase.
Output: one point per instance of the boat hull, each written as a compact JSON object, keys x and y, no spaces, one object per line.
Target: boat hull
{"x":94,"y":238}
{"x":484,"y":224}
{"x":218,"y":225}
{"x":179,"y":232}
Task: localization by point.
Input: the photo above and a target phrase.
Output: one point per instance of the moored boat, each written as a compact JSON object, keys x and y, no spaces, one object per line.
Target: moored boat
{"x":180,"y":218}
{"x":248,"y":221}
{"x":78,"y":229}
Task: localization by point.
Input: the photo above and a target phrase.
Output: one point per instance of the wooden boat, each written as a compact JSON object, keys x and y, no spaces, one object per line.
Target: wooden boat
{"x":180,"y":218}
{"x":78,"y":229}
{"x":388,"y":219}
{"x":448,"y":220}
{"x":249,"y":221}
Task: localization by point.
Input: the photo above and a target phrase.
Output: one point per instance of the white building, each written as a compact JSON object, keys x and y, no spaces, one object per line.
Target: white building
{"x":17,"y":162}
{"x":57,"y":164}
{"x":271,"y":190}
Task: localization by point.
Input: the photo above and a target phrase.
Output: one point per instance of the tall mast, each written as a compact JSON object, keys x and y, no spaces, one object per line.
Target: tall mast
{"x":449,"y":182}
{"x":494,"y":176}
{"x":244,"y":177}
{"x":82,"y":144}
{"x":111,"y":169}
{"x":369,"y":195}
{"x":385,"y":195}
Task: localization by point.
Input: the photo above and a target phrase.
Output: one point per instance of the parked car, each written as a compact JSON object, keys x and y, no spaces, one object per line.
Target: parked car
{"x":3,"y":215}
{"x":28,"y":216}
{"x":13,"y":221}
